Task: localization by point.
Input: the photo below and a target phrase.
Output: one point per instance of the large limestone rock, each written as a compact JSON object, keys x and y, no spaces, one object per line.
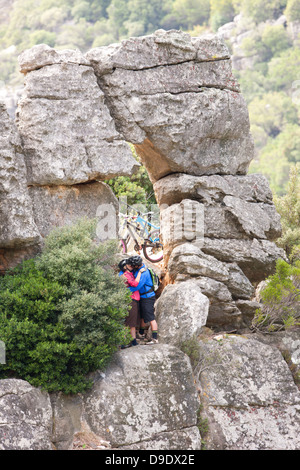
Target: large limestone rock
{"x":146,"y":400}
{"x":25,"y":416}
{"x":248,"y":396}
{"x":68,"y":134}
{"x":178,"y":102}
{"x":57,"y":206}
{"x":17,"y":227}
{"x":181,"y":311}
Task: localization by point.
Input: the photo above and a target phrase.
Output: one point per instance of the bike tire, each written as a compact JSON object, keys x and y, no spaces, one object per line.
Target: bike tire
{"x":153,"y":243}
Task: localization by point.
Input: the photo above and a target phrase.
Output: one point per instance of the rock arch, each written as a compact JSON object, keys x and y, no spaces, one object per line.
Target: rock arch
{"x":175,"y":98}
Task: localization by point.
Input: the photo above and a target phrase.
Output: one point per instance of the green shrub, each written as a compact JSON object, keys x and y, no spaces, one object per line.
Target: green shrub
{"x":280,"y":299}
{"x":62,"y":313}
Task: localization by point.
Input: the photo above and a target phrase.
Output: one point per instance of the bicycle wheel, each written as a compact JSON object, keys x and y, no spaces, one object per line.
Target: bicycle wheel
{"x":153,"y":248}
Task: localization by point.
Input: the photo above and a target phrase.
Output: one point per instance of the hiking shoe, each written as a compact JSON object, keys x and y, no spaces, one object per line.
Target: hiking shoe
{"x":152,"y":341}
{"x":126,"y":346}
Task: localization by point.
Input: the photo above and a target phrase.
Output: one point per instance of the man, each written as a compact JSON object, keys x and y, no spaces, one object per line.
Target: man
{"x":147,"y":296}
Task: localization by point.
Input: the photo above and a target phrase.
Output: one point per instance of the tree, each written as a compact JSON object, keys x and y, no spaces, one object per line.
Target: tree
{"x":62,"y":313}
{"x":288,"y":206}
{"x":189,"y":13}
{"x":222,"y":11}
{"x":137,"y":188}
{"x":280,"y":299}
{"x":262,"y":10}
{"x":292,"y":10}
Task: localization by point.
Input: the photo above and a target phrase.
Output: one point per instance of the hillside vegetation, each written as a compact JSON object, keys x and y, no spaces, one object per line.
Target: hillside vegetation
{"x":269,"y":73}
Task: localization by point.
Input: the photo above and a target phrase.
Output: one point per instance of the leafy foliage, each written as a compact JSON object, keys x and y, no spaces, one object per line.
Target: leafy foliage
{"x":137,"y":188}
{"x":288,"y":206}
{"x":61,"y":314}
{"x":281,"y":306}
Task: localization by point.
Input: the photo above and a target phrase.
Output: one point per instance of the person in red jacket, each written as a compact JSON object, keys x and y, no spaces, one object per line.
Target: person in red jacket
{"x":133,"y":318}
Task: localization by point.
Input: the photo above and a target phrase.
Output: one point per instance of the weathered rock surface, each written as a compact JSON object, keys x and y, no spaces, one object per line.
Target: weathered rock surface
{"x":67,"y":131}
{"x":146,"y":393}
{"x":178,"y":103}
{"x":25,"y":417}
{"x":249,"y":396}
{"x":146,"y":399}
{"x":57,"y":206}
{"x":181,"y":311}
{"x":17,"y":224}
{"x":209,"y":189}
{"x":256,"y":258}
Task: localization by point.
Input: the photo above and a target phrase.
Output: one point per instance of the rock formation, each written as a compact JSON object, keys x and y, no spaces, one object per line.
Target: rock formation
{"x":174,"y":97}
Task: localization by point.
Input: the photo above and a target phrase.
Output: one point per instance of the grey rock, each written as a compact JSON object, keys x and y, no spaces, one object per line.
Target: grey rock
{"x":256,"y":219}
{"x":249,"y":396}
{"x":209,"y":189}
{"x":182,"y":222}
{"x":68,"y":134}
{"x":181,"y":311}
{"x":197,"y":133}
{"x":176,"y":440}
{"x":256,"y":258}
{"x":177,"y":102}
{"x":57,"y":206}
{"x":42,"y":55}
{"x":25,"y":416}
{"x":223,"y":312}
{"x":147,"y":391}
{"x":160,"y":48}
{"x":189,"y":259}
{"x":17,"y":224}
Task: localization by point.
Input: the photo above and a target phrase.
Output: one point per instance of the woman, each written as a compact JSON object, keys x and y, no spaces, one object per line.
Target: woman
{"x":132,"y":320}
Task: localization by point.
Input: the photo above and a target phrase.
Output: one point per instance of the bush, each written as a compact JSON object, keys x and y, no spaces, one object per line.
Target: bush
{"x":288,"y":206}
{"x":281,"y":299}
{"x":62,"y":313}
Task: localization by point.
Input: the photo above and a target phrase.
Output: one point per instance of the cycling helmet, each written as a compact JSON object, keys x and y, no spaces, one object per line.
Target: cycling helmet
{"x":122,"y":264}
{"x":135,"y":261}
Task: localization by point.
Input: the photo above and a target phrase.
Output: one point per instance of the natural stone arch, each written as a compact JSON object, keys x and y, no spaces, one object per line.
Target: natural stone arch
{"x":175,"y":98}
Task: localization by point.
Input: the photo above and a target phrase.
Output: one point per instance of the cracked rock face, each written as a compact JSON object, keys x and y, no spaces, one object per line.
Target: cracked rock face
{"x":248,"y":395}
{"x":68,"y":134}
{"x":146,"y":399}
{"x":17,"y":228}
{"x":31,"y":409}
{"x":180,"y":104}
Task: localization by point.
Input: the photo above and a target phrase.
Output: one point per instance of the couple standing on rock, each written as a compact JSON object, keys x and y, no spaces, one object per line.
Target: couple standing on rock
{"x":139,"y":281}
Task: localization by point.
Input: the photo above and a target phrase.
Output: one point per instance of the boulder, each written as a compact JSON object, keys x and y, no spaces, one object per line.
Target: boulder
{"x":25,"y":416}
{"x":18,"y":228}
{"x":57,"y":206}
{"x":160,"y":48}
{"x":209,"y":189}
{"x":181,"y":311}
{"x":256,"y":258}
{"x":176,"y":99}
{"x":146,"y":398}
{"x":42,"y":55}
{"x":248,"y":395}
{"x":68,"y":134}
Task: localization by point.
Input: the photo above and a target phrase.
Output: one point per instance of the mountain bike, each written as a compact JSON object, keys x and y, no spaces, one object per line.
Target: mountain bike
{"x":144,"y":235}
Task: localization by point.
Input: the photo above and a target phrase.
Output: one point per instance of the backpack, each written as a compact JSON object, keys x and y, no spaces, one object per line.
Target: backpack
{"x":155,"y":279}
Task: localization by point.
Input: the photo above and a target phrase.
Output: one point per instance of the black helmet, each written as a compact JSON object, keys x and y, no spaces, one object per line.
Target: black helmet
{"x":122,"y":264}
{"x":135,"y":261}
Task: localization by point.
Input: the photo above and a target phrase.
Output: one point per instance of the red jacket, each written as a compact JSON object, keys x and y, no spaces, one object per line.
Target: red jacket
{"x":131,"y":282}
